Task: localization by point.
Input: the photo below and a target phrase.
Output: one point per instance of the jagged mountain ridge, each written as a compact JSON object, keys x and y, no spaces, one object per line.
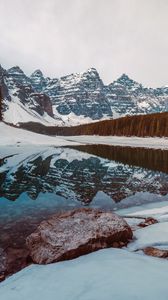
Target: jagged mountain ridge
{"x":74,"y":99}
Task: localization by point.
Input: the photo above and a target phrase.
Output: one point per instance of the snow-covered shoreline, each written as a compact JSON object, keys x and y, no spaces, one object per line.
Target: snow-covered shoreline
{"x":11,"y":136}
{"x":105,"y":274}
{"x":147,"y":142}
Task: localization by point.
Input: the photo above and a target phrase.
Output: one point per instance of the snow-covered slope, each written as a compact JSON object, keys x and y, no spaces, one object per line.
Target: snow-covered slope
{"x":13,"y":136}
{"x":105,"y":274}
{"x":74,"y":99}
{"x":18,"y":112}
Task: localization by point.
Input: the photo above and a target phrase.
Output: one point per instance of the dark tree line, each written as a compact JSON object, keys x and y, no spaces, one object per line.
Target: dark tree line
{"x":139,"y":125}
{"x":153,"y":159}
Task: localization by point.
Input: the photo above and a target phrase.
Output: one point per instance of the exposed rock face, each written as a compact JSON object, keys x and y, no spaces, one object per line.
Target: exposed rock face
{"x":4,"y":93}
{"x":81,"y":95}
{"x":17,"y":88}
{"x":43,"y":104}
{"x":38,"y":81}
{"x":147,"y":222}
{"x":156,"y":252}
{"x":69,"y":235}
{"x":127,"y":96}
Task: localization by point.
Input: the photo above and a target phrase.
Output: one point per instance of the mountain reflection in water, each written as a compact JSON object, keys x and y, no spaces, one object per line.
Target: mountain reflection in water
{"x":63,"y":178}
{"x":81,"y":172}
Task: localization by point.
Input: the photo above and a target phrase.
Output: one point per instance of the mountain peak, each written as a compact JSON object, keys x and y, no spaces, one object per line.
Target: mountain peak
{"x":15,"y":70}
{"x":126,"y":81}
{"x":124,"y":77}
{"x":37,"y":73}
{"x":92,"y":71}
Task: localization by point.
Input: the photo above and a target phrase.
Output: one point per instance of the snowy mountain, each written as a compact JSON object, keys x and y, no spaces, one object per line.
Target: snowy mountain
{"x":74,"y":99}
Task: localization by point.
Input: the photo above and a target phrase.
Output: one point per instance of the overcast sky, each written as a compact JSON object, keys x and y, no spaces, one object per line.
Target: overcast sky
{"x":67,"y":36}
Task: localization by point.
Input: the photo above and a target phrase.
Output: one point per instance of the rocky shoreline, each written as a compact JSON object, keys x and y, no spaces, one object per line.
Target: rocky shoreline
{"x":68,"y":235}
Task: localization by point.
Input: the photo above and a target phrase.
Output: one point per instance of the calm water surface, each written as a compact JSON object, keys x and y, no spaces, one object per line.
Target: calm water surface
{"x":36,"y":182}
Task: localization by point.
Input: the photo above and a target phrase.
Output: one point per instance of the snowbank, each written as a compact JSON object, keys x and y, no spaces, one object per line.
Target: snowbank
{"x":155,"y":235}
{"x":156,"y":143}
{"x":157,"y":210}
{"x":106,"y":274}
{"x":10,"y":136}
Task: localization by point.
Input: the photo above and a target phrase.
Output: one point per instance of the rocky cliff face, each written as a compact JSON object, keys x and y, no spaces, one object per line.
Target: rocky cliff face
{"x":126,"y":96}
{"x":22,"y":101}
{"x":76,"y":98}
{"x":82,"y":94}
{"x":5,"y":97}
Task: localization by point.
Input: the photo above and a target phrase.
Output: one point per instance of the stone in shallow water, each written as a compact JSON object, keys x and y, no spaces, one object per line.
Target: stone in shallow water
{"x":74,"y":233}
{"x":12,"y":260}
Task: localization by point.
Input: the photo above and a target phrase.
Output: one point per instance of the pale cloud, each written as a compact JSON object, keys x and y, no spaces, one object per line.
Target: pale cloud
{"x":67,"y":36}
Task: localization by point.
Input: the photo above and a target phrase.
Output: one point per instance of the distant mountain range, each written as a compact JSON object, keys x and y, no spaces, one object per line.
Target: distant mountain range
{"x":74,"y":99}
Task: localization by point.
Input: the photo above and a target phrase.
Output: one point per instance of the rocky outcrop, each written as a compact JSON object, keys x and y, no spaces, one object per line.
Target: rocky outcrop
{"x":17,"y":88}
{"x":4,"y":93}
{"x":147,"y":222}
{"x":43,"y":104}
{"x":38,"y":81}
{"x":71,"y":234}
{"x":160,"y":253}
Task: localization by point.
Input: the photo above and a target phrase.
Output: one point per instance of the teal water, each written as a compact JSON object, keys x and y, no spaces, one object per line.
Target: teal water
{"x":38,"y":182}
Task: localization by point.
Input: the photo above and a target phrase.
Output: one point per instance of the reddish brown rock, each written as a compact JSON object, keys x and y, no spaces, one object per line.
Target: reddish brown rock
{"x":3,"y":259}
{"x":147,"y":222}
{"x":12,"y":260}
{"x":17,"y":259}
{"x":156,"y":252}
{"x":78,"y":232}
{"x":2,"y":278}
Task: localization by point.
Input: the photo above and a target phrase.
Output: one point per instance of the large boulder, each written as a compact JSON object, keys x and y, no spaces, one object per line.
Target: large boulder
{"x":74,"y":233}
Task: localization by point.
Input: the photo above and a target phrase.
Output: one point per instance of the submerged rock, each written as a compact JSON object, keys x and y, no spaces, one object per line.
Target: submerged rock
{"x":12,"y":260}
{"x":2,"y":264}
{"x":71,"y":234}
